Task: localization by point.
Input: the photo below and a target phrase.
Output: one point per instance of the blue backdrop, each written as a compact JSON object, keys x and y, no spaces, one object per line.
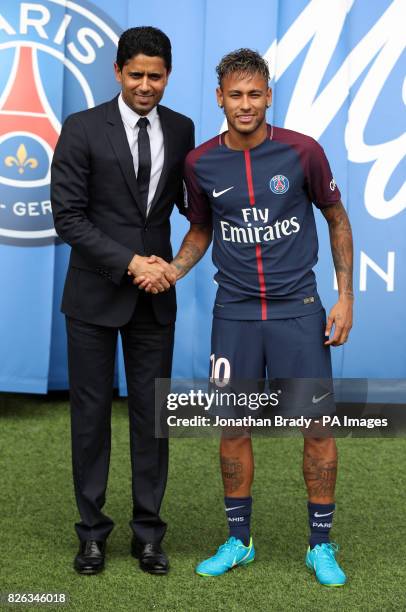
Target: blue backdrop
{"x":337,"y":73}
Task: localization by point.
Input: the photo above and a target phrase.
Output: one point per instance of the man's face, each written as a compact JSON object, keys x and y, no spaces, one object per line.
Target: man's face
{"x":143,"y":80}
{"x":245,"y":99}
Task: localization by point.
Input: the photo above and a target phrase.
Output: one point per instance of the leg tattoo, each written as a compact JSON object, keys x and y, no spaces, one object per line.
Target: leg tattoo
{"x":320,"y":476}
{"x":232,"y":473}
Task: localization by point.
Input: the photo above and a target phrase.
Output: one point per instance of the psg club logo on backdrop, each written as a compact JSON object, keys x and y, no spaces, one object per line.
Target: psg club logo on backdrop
{"x":279,"y":184}
{"x":56,"y":57}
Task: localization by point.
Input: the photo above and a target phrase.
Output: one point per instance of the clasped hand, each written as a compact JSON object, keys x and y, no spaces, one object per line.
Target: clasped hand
{"x":152,"y":274}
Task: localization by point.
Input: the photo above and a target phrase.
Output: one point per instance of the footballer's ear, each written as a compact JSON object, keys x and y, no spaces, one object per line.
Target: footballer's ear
{"x":269,"y":97}
{"x":219,"y":96}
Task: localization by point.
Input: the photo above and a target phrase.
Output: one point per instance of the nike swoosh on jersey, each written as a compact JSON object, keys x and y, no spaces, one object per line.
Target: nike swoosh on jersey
{"x":317,"y":515}
{"x":217,"y":194}
{"x":316,"y":400}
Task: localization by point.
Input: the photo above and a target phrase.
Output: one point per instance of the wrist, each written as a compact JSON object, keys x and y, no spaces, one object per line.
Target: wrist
{"x":177,"y":269}
{"x":346,"y":296}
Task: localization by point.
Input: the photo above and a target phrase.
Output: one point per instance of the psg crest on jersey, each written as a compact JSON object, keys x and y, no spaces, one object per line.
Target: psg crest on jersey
{"x":279,"y":184}
{"x":54,"y":57}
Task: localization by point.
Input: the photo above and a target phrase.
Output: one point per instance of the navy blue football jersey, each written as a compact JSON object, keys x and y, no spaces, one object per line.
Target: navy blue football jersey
{"x":264,"y":233}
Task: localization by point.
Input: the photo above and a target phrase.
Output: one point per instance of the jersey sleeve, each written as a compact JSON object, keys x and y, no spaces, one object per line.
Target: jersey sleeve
{"x":321,"y":185}
{"x":196,"y":201}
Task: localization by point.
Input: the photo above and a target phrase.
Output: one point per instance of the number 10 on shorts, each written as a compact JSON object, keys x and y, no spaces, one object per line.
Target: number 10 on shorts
{"x":220,"y":370}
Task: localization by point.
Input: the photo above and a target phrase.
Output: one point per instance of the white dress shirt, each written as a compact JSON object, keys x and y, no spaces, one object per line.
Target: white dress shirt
{"x":156,"y":139}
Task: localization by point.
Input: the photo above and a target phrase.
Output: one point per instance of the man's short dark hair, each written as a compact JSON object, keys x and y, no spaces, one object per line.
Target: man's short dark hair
{"x":146,"y":40}
{"x":243,"y":62}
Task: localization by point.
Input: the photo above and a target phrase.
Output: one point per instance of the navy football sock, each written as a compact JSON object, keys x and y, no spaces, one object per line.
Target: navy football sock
{"x":238,"y":511}
{"x":320,"y":522}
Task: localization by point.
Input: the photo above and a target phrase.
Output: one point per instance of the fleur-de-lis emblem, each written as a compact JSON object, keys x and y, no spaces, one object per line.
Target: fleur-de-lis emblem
{"x":21,"y":160}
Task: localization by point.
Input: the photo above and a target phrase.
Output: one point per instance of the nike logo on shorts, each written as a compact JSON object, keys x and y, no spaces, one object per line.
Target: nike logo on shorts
{"x":316,"y":400}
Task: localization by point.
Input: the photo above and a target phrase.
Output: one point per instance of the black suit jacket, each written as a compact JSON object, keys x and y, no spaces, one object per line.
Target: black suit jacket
{"x":97,"y":210}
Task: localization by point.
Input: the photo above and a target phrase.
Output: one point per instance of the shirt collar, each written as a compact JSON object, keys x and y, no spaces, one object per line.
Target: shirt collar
{"x":130,"y":117}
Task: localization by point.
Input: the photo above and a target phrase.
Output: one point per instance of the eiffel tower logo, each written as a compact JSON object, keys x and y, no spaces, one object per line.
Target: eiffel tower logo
{"x":25,"y":113}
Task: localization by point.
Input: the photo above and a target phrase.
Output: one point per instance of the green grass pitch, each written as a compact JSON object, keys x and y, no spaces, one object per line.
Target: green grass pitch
{"x":38,"y":510}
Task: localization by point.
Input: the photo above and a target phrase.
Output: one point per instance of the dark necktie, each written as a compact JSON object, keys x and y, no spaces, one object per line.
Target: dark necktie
{"x":144,"y":160}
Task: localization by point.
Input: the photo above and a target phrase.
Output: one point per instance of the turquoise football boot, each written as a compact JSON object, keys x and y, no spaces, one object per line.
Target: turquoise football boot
{"x":231,"y":554}
{"x":321,"y":560}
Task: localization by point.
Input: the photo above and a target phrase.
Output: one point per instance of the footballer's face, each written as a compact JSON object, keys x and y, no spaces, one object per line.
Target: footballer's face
{"x":143,"y":80}
{"x":245,"y":98}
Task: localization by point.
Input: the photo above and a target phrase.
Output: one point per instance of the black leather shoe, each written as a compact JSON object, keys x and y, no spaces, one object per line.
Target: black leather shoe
{"x":151,"y":557}
{"x":90,"y":558}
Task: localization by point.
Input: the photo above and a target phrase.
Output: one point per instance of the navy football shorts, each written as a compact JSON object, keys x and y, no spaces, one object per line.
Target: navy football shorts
{"x":288,"y":353}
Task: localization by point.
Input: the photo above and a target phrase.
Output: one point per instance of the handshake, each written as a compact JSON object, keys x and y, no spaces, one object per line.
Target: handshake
{"x":152,"y":274}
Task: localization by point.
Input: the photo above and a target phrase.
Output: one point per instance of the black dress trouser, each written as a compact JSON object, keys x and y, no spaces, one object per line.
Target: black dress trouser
{"x":147,"y":349}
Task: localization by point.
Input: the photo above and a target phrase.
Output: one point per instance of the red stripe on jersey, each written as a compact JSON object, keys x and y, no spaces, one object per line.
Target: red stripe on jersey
{"x":262,"y":288}
{"x":258,"y":253}
{"x":249,"y":177}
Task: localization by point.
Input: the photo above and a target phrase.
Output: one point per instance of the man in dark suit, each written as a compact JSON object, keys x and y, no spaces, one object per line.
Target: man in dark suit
{"x":116,"y":174}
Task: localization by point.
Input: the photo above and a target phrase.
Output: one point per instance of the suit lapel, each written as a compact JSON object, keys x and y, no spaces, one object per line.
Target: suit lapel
{"x":169,"y":139}
{"x":118,"y":138}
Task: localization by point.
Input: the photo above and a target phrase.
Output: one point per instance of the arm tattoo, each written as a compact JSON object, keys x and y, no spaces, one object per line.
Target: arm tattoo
{"x":232,"y":473}
{"x":193,"y":248}
{"x":187,"y":257}
{"x":320,"y":476}
{"x":341,"y":246}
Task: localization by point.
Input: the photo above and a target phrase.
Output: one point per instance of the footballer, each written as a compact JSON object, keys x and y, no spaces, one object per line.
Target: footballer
{"x":251,"y":189}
